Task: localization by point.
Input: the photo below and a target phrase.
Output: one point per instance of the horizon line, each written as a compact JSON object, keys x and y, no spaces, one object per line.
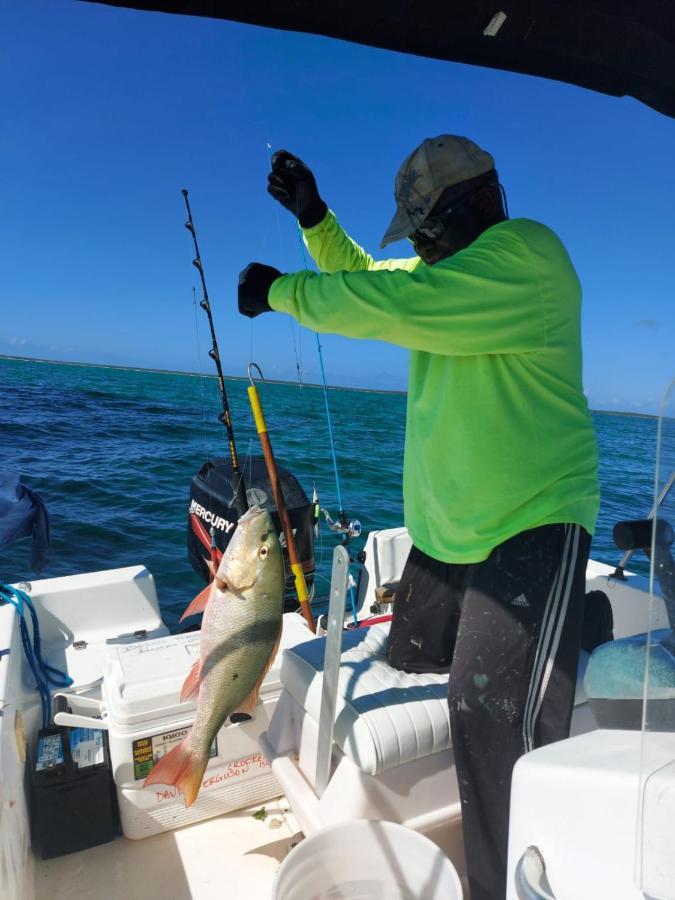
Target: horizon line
{"x":189,"y":374}
{"x":309,"y":384}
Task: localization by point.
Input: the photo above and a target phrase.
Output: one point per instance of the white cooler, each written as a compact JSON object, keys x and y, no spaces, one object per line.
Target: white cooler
{"x":145,"y":719}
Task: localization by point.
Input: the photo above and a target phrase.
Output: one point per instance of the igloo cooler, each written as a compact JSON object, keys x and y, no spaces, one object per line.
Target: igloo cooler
{"x":145,"y":719}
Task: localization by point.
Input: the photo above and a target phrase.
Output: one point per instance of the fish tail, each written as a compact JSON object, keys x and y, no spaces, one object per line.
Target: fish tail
{"x":181,"y":767}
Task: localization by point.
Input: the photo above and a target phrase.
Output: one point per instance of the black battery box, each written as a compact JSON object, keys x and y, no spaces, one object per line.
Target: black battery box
{"x":72,"y":795}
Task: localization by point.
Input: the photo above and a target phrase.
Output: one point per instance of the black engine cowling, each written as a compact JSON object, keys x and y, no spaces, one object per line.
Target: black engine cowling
{"x":210,"y":508}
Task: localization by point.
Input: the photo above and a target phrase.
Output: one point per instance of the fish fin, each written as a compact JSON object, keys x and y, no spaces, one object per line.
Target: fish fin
{"x":181,"y":768}
{"x":191,"y":683}
{"x":198,"y":603}
{"x":247,"y":707}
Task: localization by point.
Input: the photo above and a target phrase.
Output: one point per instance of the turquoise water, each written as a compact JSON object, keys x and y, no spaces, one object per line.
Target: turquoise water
{"x":112,"y":452}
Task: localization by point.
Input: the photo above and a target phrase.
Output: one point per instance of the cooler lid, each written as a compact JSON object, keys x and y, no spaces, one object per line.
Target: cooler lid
{"x":143,"y":682}
{"x":84,"y":661}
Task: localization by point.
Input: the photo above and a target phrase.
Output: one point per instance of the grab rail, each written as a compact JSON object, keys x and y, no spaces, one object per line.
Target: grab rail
{"x":530,"y":876}
{"x":331,"y":665}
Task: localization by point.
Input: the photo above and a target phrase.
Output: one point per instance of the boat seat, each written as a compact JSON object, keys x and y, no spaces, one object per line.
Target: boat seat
{"x":384,"y":717}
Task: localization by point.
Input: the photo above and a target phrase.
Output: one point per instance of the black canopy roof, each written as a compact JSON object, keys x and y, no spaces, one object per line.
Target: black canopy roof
{"x":619,"y":47}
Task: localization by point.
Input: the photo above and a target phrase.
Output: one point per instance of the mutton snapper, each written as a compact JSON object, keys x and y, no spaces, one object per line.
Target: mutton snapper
{"x":241,"y":629}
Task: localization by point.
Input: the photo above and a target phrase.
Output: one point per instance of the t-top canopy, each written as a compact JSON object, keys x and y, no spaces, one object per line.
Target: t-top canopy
{"x":620,"y":47}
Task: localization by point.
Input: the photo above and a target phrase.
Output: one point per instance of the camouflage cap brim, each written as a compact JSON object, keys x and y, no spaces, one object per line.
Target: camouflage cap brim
{"x":438,"y":163}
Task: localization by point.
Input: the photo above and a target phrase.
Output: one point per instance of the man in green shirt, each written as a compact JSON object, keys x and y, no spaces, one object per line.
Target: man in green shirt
{"x":500,"y":482}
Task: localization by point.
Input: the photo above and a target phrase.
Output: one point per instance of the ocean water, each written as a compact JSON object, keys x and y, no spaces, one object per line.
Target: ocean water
{"x":112,"y":452}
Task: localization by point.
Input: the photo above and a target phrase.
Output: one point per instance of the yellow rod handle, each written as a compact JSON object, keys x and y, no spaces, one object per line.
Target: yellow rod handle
{"x":300,"y":583}
{"x":296,"y":565}
{"x":258,"y":414}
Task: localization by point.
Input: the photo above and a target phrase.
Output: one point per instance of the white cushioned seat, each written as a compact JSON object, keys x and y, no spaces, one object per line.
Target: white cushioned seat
{"x":384,"y":717}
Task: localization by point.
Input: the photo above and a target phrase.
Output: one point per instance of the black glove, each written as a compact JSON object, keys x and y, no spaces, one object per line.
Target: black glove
{"x":254,"y":285}
{"x":291,"y":183}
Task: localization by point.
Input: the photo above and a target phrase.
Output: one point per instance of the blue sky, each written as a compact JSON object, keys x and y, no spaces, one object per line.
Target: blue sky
{"x":108,"y":113}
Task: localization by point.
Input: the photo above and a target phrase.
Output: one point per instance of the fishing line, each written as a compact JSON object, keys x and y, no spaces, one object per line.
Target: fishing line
{"x":331,"y":438}
{"x":292,"y":323}
{"x":342,"y":526}
{"x":329,"y":419}
{"x":347,"y":529}
{"x":297,"y":352}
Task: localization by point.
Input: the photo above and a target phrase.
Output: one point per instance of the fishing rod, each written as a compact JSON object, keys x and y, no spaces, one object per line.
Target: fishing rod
{"x":239,"y":500}
{"x":270,"y":462}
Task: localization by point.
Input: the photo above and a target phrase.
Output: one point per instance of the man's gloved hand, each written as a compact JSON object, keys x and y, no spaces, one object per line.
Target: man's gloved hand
{"x":291,"y":183}
{"x":254,"y":285}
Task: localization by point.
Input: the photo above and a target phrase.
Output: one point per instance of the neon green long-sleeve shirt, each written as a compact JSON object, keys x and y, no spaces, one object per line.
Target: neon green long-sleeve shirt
{"x":499,"y":438}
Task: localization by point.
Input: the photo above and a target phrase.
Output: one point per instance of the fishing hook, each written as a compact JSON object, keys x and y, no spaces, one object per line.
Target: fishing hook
{"x":253,"y":365}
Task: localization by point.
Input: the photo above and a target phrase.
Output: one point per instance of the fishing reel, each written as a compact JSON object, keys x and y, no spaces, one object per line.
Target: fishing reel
{"x":350,"y":529}
{"x":341,"y":525}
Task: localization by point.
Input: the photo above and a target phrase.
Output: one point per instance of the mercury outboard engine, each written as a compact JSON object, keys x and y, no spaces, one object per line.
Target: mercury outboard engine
{"x":212,"y":516}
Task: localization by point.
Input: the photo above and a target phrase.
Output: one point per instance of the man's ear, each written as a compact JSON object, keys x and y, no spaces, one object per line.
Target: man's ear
{"x":488,"y":202}
{"x":485,"y":198}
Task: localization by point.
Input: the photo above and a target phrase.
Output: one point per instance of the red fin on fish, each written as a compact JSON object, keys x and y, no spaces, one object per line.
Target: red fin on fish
{"x":191,"y":683}
{"x":249,"y":704}
{"x":198,"y":604}
{"x":182,"y":768}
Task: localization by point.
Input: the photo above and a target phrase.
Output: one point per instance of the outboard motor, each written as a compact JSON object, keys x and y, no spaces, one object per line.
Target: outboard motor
{"x":615,"y":676}
{"x":213,"y":518}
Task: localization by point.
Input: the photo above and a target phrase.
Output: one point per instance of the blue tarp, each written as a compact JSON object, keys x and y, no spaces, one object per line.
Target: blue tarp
{"x":23,"y":514}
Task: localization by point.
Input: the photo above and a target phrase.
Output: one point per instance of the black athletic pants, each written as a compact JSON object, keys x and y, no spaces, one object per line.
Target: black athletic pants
{"x":508,"y":631}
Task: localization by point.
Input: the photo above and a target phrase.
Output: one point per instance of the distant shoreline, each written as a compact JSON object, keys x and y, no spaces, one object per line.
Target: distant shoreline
{"x":308,"y":384}
{"x":92,"y":365}
{"x":616,"y":412}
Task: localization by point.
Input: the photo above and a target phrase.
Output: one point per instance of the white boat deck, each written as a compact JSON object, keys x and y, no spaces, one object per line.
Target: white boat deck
{"x":233,"y":856}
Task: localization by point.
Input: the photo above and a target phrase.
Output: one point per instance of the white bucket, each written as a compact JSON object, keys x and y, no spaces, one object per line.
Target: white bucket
{"x":366,"y":861}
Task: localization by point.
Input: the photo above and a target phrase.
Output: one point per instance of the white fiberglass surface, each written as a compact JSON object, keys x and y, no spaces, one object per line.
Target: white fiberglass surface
{"x":234,"y":856}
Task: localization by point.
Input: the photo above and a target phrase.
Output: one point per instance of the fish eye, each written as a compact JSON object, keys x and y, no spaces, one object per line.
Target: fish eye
{"x":264,"y":550}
